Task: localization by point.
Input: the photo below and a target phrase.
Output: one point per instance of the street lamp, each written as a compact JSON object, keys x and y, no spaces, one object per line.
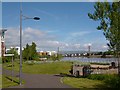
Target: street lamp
{"x":89,"y":47}
{"x":21,"y":17}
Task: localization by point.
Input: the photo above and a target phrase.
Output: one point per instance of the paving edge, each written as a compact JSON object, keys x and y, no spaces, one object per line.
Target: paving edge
{"x":61,"y":79}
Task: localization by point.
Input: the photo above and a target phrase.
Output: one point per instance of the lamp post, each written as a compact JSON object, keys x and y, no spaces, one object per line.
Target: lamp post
{"x":89,"y":47}
{"x":21,"y":17}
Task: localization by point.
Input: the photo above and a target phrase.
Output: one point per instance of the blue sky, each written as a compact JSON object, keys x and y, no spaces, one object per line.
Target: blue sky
{"x":62,"y":24}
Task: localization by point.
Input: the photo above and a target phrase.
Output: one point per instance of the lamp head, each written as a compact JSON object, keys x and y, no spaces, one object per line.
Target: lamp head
{"x":36,"y":18}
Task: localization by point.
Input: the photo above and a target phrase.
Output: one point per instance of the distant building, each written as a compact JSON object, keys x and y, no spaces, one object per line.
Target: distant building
{"x":16,"y":48}
{"x":2,"y":42}
{"x":48,"y":53}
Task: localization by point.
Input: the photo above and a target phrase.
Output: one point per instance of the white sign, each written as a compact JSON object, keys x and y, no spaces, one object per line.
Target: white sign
{"x":8,"y":54}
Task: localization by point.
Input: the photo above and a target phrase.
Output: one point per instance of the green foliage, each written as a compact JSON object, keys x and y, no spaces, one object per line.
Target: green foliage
{"x":97,"y":76}
{"x":109,"y":16}
{"x":26,"y":52}
{"x":94,"y":81}
{"x":8,"y":59}
{"x":13,"y":51}
{"x":53,"y":58}
{"x":108,"y":52}
{"x":30,"y":52}
{"x":57,"y":57}
{"x":29,"y":62}
{"x":113,"y":81}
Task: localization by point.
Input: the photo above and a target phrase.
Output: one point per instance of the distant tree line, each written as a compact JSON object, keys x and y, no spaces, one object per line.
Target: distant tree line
{"x":30,"y":53}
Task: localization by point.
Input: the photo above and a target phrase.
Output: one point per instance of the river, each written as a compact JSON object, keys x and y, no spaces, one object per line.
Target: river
{"x":98,"y":60}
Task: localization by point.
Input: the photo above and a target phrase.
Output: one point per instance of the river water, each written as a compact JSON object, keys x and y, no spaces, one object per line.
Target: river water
{"x":98,"y":60}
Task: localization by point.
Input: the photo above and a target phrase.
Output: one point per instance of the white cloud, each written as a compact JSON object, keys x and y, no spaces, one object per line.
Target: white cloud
{"x":105,"y":47}
{"x":46,"y":41}
{"x":77,"y":45}
{"x":81,"y":33}
{"x":29,"y":34}
{"x":12,"y":37}
{"x":88,"y":44}
{"x":43,"y":39}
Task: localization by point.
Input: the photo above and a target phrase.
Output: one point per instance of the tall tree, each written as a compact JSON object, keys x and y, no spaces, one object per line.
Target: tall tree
{"x":30,"y":52}
{"x":26,"y":52}
{"x":34,"y":51}
{"x":109,"y":16}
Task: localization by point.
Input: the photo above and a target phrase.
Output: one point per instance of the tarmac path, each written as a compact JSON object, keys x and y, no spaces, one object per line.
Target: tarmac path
{"x":38,"y":80}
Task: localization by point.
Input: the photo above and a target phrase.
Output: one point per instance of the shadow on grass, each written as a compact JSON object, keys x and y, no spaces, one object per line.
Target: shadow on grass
{"x":64,"y":75}
{"x":12,"y":80}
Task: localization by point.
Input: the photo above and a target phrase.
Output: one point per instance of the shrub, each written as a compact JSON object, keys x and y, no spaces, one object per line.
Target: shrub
{"x":97,"y":77}
{"x":29,"y":62}
{"x":112,"y":81}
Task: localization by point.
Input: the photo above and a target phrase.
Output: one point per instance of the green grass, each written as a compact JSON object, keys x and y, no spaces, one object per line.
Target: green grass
{"x":43,"y":68}
{"x":111,"y":80}
{"x":0,"y":60}
{"x":7,"y":82}
{"x":83,"y":82}
{"x":0,"y":81}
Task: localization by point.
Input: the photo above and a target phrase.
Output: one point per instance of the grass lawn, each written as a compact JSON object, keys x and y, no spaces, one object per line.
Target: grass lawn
{"x":43,"y":68}
{"x":0,"y":60}
{"x":6,"y":81}
{"x":83,"y":83}
{"x":0,"y":81}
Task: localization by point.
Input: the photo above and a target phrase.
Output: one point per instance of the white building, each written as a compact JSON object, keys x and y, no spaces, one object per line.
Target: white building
{"x":16,"y":48}
{"x":48,"y":53}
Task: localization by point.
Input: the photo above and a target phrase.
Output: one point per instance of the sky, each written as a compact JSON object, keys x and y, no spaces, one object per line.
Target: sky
{"x":62,"y":24}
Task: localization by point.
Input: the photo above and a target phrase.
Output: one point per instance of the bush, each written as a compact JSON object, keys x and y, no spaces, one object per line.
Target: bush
{"x":97,"y":77}
{"x":112,"y":81}
{"x":29,"y":62}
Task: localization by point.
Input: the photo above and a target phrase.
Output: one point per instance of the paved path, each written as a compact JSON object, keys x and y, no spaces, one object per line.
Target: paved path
{"x":39,"y":80}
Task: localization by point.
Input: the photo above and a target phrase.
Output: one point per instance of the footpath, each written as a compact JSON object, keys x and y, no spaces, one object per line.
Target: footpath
{"x":38,"y":80}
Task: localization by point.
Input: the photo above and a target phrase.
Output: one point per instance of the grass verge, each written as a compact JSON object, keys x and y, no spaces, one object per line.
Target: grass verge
{"x":42,"y":68}
{"x":83,"y":83}
{"x":7,"y":81}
